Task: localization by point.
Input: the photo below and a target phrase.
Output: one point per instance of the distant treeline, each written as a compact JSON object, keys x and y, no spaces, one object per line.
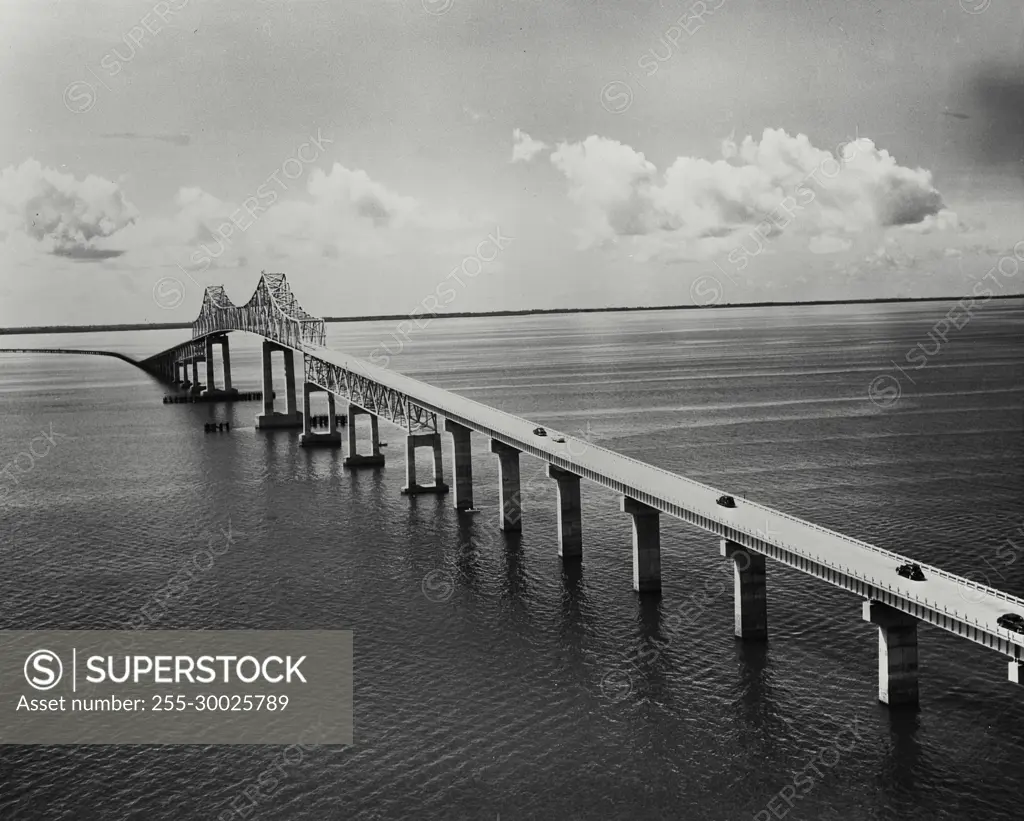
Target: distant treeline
{"x":163,"y":326}
{"x":84,"y":329}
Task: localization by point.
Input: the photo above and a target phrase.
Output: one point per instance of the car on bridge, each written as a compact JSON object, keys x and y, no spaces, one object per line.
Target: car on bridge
{"x":1012,"y":621}
{"x":539,"y":432}
{"x":911,"y":571}
{"x":559,"y":439}
{"x":726,"y":501}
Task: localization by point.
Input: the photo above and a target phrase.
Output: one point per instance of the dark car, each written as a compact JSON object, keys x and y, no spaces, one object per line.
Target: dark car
{"x":1012,"y":621}
{"x":911,"y":571}
{"x":726,"y":501}
{"x":539,"y":432}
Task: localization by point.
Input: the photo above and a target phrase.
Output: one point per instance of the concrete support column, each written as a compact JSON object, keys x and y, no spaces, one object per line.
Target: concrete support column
{"x":268,"y":378}
{"x":417,"y":440}
{"x":307,"y":421}
{"x":184,"y":374}
{"x":332,"y":437}
{"x":1015,"y":670}
{"x":750,"y":593}
{"x":570,"y":514}
{"x":646,"y":545}
{"x":510,"y":499}
{"x":462,"y":464}
{"x":354,"y":459}
{"x":212,"y":391}
{"x":435,"y":446}
{"x":509,"y":495}
{"x":271,"y":419}
{"x":410,"y":463}
{"x":289,"y":381}
{"x":210,"y":382}
{"x":353,"y":414}
{"x":897,"y":653}
{"x":226,"y":354}
{"x":196,"y":385}
{"x":375,"y":435}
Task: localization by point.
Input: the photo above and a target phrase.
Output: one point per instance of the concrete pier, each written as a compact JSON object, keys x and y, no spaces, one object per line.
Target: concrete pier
{"x":750,"y":593}
{"x":1015,"y":671}
{"x":310,"y":438}
{"x":570,"y":524}
{"x":270,"y":419}
{"x":354,"y":459}
{"x":897,"y":653}
{"x":212,"y":391}
{"x":423,"y":440}
{"x":646,"y":545}
{"x":510,"y":498}
{"x":196,"y":387}
{"x":462,"y":464}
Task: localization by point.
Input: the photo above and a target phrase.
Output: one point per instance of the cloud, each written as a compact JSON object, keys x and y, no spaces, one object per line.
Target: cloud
{"x":342,"y":212}
{"x":827,"y":244}
{"x":339,"y":212}
{"x":729,"y":147}
{"x":944,"y":221}
{"x":86,"y":254}
{"x":63,"y":215}
{"x":525,"y":147}
{"x":697,"y":208}
{"x":176,"y":139}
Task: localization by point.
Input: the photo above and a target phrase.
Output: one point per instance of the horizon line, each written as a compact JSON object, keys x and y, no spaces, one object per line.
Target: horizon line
{"x":164,"y":326}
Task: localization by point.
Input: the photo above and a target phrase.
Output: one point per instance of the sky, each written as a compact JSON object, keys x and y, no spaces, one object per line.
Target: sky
{"x":474,"y":155}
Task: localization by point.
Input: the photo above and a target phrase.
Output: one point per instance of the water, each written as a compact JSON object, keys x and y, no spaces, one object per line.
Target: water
{"x":515,"y":698}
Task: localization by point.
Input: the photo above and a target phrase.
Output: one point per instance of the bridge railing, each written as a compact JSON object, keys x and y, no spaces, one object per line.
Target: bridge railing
{"x":383,"y":400}
{"x":374,"y":372}
{"x":960,"y":580}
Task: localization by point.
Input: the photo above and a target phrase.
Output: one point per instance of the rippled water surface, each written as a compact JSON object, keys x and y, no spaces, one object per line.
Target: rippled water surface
{"x":525,"y":690}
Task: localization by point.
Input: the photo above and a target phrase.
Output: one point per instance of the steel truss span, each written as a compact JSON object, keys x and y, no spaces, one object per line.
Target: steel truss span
{"x":272,"y":312}
{"x":393,"y":405}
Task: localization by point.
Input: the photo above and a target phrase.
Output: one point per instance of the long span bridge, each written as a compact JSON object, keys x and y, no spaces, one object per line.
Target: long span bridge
{"x":749,"y":533}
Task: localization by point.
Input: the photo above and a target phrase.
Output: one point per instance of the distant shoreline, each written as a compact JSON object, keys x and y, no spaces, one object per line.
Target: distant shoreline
{"x":167,"y":326}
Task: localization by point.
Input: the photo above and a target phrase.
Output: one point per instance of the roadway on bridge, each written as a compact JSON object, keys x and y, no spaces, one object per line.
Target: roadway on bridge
{"x":965,"y":600}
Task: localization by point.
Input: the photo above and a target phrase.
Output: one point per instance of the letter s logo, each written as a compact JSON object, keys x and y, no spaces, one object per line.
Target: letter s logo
{"x":43,"y":669}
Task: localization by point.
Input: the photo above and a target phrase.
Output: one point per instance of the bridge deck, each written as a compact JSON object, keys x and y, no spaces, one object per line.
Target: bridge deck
{"x":951,"y":602}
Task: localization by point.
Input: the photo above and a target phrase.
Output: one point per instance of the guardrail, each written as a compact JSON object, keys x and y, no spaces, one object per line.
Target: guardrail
{"x":458,"y":414}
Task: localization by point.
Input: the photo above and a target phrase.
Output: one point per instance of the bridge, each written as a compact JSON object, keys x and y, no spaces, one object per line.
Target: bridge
{"x":749,"y":533}
{"x":114,"y":354}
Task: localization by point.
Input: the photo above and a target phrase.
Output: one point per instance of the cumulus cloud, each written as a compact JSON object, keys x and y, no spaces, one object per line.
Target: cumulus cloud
{"x":341,"y":212}
{"x":525,"y":148}
{"x":64,"y":215}
{"x":944,"y":221}
{"x":337,"y":212}
{"x":696,"y":208}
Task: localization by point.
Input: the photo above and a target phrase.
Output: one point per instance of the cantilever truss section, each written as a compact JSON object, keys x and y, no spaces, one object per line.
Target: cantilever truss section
{"x":370,"y":395}
{"x":272,"y":312}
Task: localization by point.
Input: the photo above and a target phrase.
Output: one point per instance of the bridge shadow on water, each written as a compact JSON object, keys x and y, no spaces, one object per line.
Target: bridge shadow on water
{"x":756,"y":693}
{"x":516,"y":585}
